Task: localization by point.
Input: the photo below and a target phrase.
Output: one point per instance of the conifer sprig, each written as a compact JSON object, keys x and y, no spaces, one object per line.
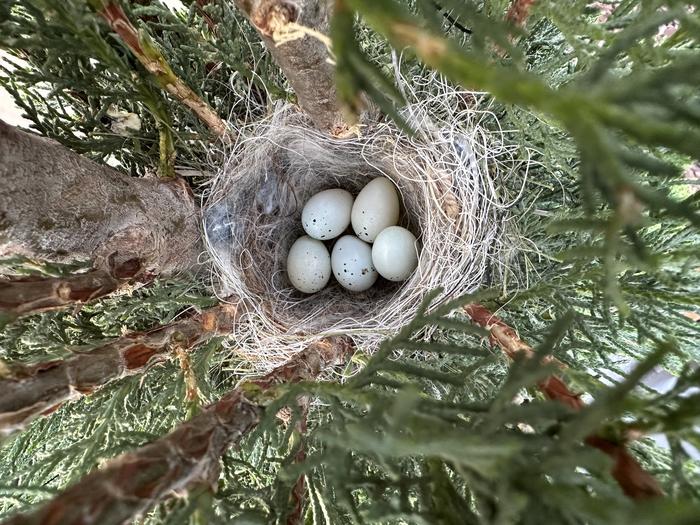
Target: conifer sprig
{"x":153,"y":60}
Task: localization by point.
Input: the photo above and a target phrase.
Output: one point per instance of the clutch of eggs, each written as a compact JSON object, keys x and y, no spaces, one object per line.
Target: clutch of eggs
{"x":355,"y":263}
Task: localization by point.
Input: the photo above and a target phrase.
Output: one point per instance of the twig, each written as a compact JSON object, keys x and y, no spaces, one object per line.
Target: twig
{"x":450,"y":19}
{"x":155,"y":63}
{"x":34,"y":390}
{"x":635,"y":482}
{"x":304,"y":60}
{"x":296,"y":515}
{"x":21,"y":296}
{"x":519,"y":12}
{"x":131,"y":484}
{"x":213,"y":27}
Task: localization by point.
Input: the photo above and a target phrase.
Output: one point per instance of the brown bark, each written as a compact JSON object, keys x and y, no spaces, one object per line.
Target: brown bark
{"x":154,"y":62}
{"x":20,"y":296}
{"x":635,"y":482}
{"x":303,"y":61}
{"x":58,"y":206}
{"x":519,"y":11}
{"x":297,"y":499}
{"x":133,"y":483}
{"x":34,"y":390}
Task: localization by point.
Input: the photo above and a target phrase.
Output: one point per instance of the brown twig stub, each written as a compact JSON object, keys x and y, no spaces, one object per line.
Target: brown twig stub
{"x":133,"y":483}
{"x":297,"y":499}
{"x":270,"y":16}
{"x":155,"y":63}
{"x":33,"y":390}
{"x":633,"y":479}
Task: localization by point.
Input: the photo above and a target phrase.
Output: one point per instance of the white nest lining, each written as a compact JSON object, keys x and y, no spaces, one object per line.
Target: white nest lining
{"x":452,"y":178}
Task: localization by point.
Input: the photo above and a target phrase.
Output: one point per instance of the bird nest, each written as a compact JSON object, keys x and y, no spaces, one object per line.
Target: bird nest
{"x":451,"y":176}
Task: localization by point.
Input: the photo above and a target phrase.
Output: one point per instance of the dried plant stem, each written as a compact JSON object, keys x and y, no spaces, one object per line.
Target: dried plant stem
{"x":39,"y":389}
{"x":633,"y":479}
{"x":155,"y":63}
{"x":133,"y":483}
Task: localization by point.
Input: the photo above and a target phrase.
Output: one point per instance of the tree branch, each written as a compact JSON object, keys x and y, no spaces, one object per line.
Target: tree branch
{"x":297,"y":495}
{"x":519,"y":12}
{"x":58,"y":206}
{"x":34,"y":390}
{"x":304,"y":61}
{"x":133,"y":483}
{"x":155,"y":63}
{"x":25,"y":295}
{"x":633,"y":479}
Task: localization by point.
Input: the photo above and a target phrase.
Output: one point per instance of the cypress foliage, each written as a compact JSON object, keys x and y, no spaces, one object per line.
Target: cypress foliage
{"x":443,"y":430}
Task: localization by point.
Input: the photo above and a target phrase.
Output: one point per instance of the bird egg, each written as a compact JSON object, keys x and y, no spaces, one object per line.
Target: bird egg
{"x":395,"y":253}
{"x":376,"y":207}
{"x":351,"y":261}
{"x":308,"y":265}
{"x":327,"y":214}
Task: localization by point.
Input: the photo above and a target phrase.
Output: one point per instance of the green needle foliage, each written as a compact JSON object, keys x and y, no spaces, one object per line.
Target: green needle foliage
{"x":431,"y":428}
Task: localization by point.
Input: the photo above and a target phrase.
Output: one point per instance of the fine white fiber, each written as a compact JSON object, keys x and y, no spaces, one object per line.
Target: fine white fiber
{"x":458,"y":176}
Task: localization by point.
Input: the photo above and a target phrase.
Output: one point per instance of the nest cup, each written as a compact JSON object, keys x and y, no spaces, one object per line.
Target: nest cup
{"x":448,"y":177}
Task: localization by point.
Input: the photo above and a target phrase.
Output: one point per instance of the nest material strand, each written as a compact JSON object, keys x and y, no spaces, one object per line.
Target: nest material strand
{"x":451,"y":179}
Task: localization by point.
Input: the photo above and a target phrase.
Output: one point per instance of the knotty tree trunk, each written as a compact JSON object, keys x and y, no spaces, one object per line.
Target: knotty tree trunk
{"x":58,"y":206}
{"x":133,"y":483}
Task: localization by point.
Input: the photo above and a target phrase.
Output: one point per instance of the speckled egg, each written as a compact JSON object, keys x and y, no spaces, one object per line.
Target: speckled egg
{"x":327,"y":214}
{"x":308,"y":265}
{"x":395,"y":253}
{"x":351,"y":262}
{"x":376,"y":207}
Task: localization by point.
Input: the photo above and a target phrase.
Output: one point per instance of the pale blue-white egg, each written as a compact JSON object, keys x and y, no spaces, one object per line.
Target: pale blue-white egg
{"x":395,"y":253}
{"x":327,"y":214}
{"x":351,"y":262}
{"x":376,"y":207}
{"x":308,"y":265}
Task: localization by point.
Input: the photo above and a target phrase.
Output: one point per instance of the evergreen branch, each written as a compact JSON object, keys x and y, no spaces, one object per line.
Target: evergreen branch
{"x":183,"y":460}
{"x":297,"y":499}
{"x":595,"y":122}
{"x":26,"y":295}
{"x":33,"y":390}
{"x":155,"y":63}
{"x":636,"y":482}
